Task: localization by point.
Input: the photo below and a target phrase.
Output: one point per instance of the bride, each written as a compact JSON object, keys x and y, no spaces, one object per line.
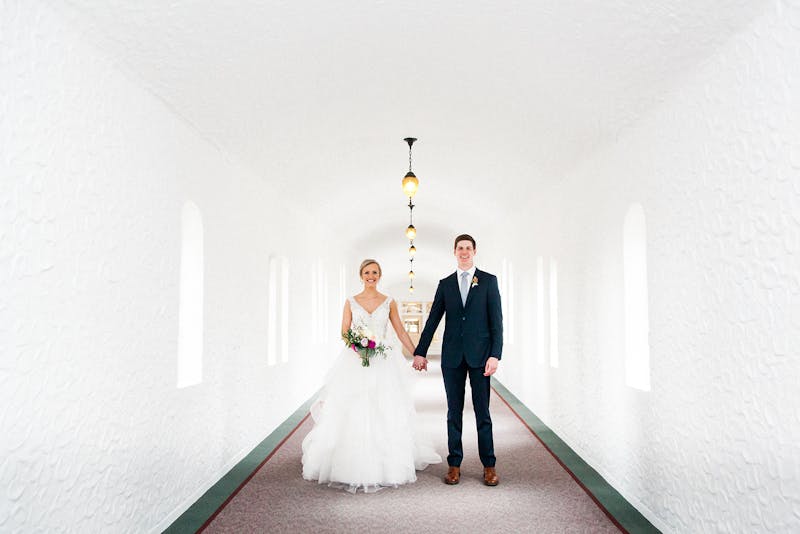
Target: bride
{"x":364,"y":436}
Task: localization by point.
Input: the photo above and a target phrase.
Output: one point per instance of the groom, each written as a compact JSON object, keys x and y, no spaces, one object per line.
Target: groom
{"x":473,"y":345}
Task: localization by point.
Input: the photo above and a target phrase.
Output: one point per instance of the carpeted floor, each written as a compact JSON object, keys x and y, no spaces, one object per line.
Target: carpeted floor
{"x":535,"y":493}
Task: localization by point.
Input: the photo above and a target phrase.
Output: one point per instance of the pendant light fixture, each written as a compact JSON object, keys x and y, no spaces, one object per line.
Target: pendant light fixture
{"x":410,"y":186}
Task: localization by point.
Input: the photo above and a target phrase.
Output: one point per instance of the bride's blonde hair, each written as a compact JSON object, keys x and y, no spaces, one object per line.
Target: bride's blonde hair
{"x":367,"y":262}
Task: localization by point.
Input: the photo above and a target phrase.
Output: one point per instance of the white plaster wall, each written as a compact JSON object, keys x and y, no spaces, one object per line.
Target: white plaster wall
{"x":94,"y":171}
{"x":715,"y":445}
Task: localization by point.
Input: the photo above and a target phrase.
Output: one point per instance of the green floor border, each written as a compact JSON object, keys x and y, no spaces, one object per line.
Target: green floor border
{"x":207,"y":505}
{"x":614,"y":504}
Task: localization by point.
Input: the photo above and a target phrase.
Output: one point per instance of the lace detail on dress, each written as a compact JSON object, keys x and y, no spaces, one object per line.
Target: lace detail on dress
{"x":377,"y":321}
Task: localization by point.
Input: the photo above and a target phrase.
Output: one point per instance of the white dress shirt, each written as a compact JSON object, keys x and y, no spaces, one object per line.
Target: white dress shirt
{"x":471,"y":272}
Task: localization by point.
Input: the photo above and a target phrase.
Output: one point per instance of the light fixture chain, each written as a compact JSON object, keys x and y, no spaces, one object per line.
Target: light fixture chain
{"x":410,"y":184}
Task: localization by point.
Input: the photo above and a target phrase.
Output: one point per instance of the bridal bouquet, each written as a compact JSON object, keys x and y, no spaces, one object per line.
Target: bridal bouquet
{"x":362,"y":341}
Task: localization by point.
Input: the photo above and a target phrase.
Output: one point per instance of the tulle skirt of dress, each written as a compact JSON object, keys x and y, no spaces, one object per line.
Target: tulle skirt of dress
{"x":364,"y":435}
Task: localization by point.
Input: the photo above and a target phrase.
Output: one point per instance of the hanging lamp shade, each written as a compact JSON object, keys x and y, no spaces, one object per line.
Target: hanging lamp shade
{"x":410,"y":184}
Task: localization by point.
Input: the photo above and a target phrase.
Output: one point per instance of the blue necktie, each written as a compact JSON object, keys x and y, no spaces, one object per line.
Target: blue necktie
{"x":464,"y":288}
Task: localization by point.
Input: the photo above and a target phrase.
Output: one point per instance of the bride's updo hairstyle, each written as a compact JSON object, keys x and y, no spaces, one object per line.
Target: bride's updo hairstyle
{"x":367,"y":262}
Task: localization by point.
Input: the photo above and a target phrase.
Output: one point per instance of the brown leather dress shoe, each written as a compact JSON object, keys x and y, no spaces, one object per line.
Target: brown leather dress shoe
{"x":490,"y":477}
{"x":453,"y":475}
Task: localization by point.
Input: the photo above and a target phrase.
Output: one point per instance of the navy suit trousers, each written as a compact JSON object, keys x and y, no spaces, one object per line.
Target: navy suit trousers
{"x":455,"y":380}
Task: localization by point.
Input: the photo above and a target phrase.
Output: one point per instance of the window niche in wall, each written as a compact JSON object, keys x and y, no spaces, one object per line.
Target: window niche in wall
{"x":507,"y":302}
{"x":540,"y":354}
{"x":342,"y":284}
{"x":637,"y":328}
{"x":553,"y":312}
{"x":319,"y":303}
{"x":190,"y":311}
{"x":278,"y":311}
{"x":284,"y":265}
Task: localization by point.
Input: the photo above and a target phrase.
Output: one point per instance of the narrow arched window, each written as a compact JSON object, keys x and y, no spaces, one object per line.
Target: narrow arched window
{"x":540,"y":354}
{"x":278,"y":311}
{"x":324,"y":317}
{"x":319,"y":303}
{"x":272,"y":312}
{"x":507,"y":300}
{"x":284,"y":264}
{"x":342,"y":284}
{"x":190,"y":311}
{"x":637,"y":327}
{"x":553,"y":312}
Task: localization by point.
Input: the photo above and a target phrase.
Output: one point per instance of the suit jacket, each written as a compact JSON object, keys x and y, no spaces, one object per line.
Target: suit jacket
{"x":472,"y":332}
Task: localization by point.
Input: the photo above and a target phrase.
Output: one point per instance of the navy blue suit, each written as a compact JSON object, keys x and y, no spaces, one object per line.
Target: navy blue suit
{"x":473,"y":332}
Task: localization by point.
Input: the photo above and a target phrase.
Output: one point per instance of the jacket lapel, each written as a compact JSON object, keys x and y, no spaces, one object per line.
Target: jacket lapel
{"x":454,"y":287}
{"x":472,"y":287}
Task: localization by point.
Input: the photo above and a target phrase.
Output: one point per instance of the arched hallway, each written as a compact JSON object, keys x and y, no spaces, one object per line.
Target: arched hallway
{"x":188,"y":188}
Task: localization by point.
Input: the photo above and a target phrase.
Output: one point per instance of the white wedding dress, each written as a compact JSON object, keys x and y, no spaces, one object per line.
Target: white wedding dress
{"x":364,"y":435}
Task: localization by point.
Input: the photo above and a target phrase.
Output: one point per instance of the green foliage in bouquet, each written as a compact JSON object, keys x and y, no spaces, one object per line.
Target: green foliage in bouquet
{"x":362,"y":341}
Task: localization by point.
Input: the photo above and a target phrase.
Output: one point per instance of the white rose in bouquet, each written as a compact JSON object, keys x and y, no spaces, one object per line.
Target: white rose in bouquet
{"x":365,"y":342}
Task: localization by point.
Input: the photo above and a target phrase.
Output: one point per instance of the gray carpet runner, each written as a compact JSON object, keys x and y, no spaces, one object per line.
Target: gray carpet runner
{"x":535,"y":493}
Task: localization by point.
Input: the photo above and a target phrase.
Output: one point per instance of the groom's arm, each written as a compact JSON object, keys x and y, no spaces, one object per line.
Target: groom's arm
{"x":435,"y":316}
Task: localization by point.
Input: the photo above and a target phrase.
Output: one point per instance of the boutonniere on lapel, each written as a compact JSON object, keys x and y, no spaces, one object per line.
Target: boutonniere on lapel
{"x":474,"y":282}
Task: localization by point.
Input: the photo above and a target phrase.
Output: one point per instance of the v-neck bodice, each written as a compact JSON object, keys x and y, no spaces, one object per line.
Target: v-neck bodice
{"x":377,"y":320}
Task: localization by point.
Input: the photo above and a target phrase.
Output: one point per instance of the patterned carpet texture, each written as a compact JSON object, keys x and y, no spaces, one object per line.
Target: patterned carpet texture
{"x":535,"y":493}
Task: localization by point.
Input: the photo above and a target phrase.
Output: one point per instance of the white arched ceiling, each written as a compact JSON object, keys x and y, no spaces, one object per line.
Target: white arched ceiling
{"x":316,"y":97}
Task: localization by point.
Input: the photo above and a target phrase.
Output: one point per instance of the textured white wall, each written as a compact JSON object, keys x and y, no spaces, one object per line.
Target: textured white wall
{"x":94,"y":171}
{"x":715,"y":446}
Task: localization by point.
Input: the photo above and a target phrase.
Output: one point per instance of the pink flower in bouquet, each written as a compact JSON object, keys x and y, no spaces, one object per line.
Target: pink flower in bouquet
{"x":361,"y":340}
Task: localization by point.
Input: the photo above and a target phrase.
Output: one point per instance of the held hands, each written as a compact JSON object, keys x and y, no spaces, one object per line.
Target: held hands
{"x":491,"y":366}
{"x":421,"y":364}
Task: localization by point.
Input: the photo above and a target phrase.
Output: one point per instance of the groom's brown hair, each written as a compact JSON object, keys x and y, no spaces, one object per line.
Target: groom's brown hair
{"x":465,"y":237}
